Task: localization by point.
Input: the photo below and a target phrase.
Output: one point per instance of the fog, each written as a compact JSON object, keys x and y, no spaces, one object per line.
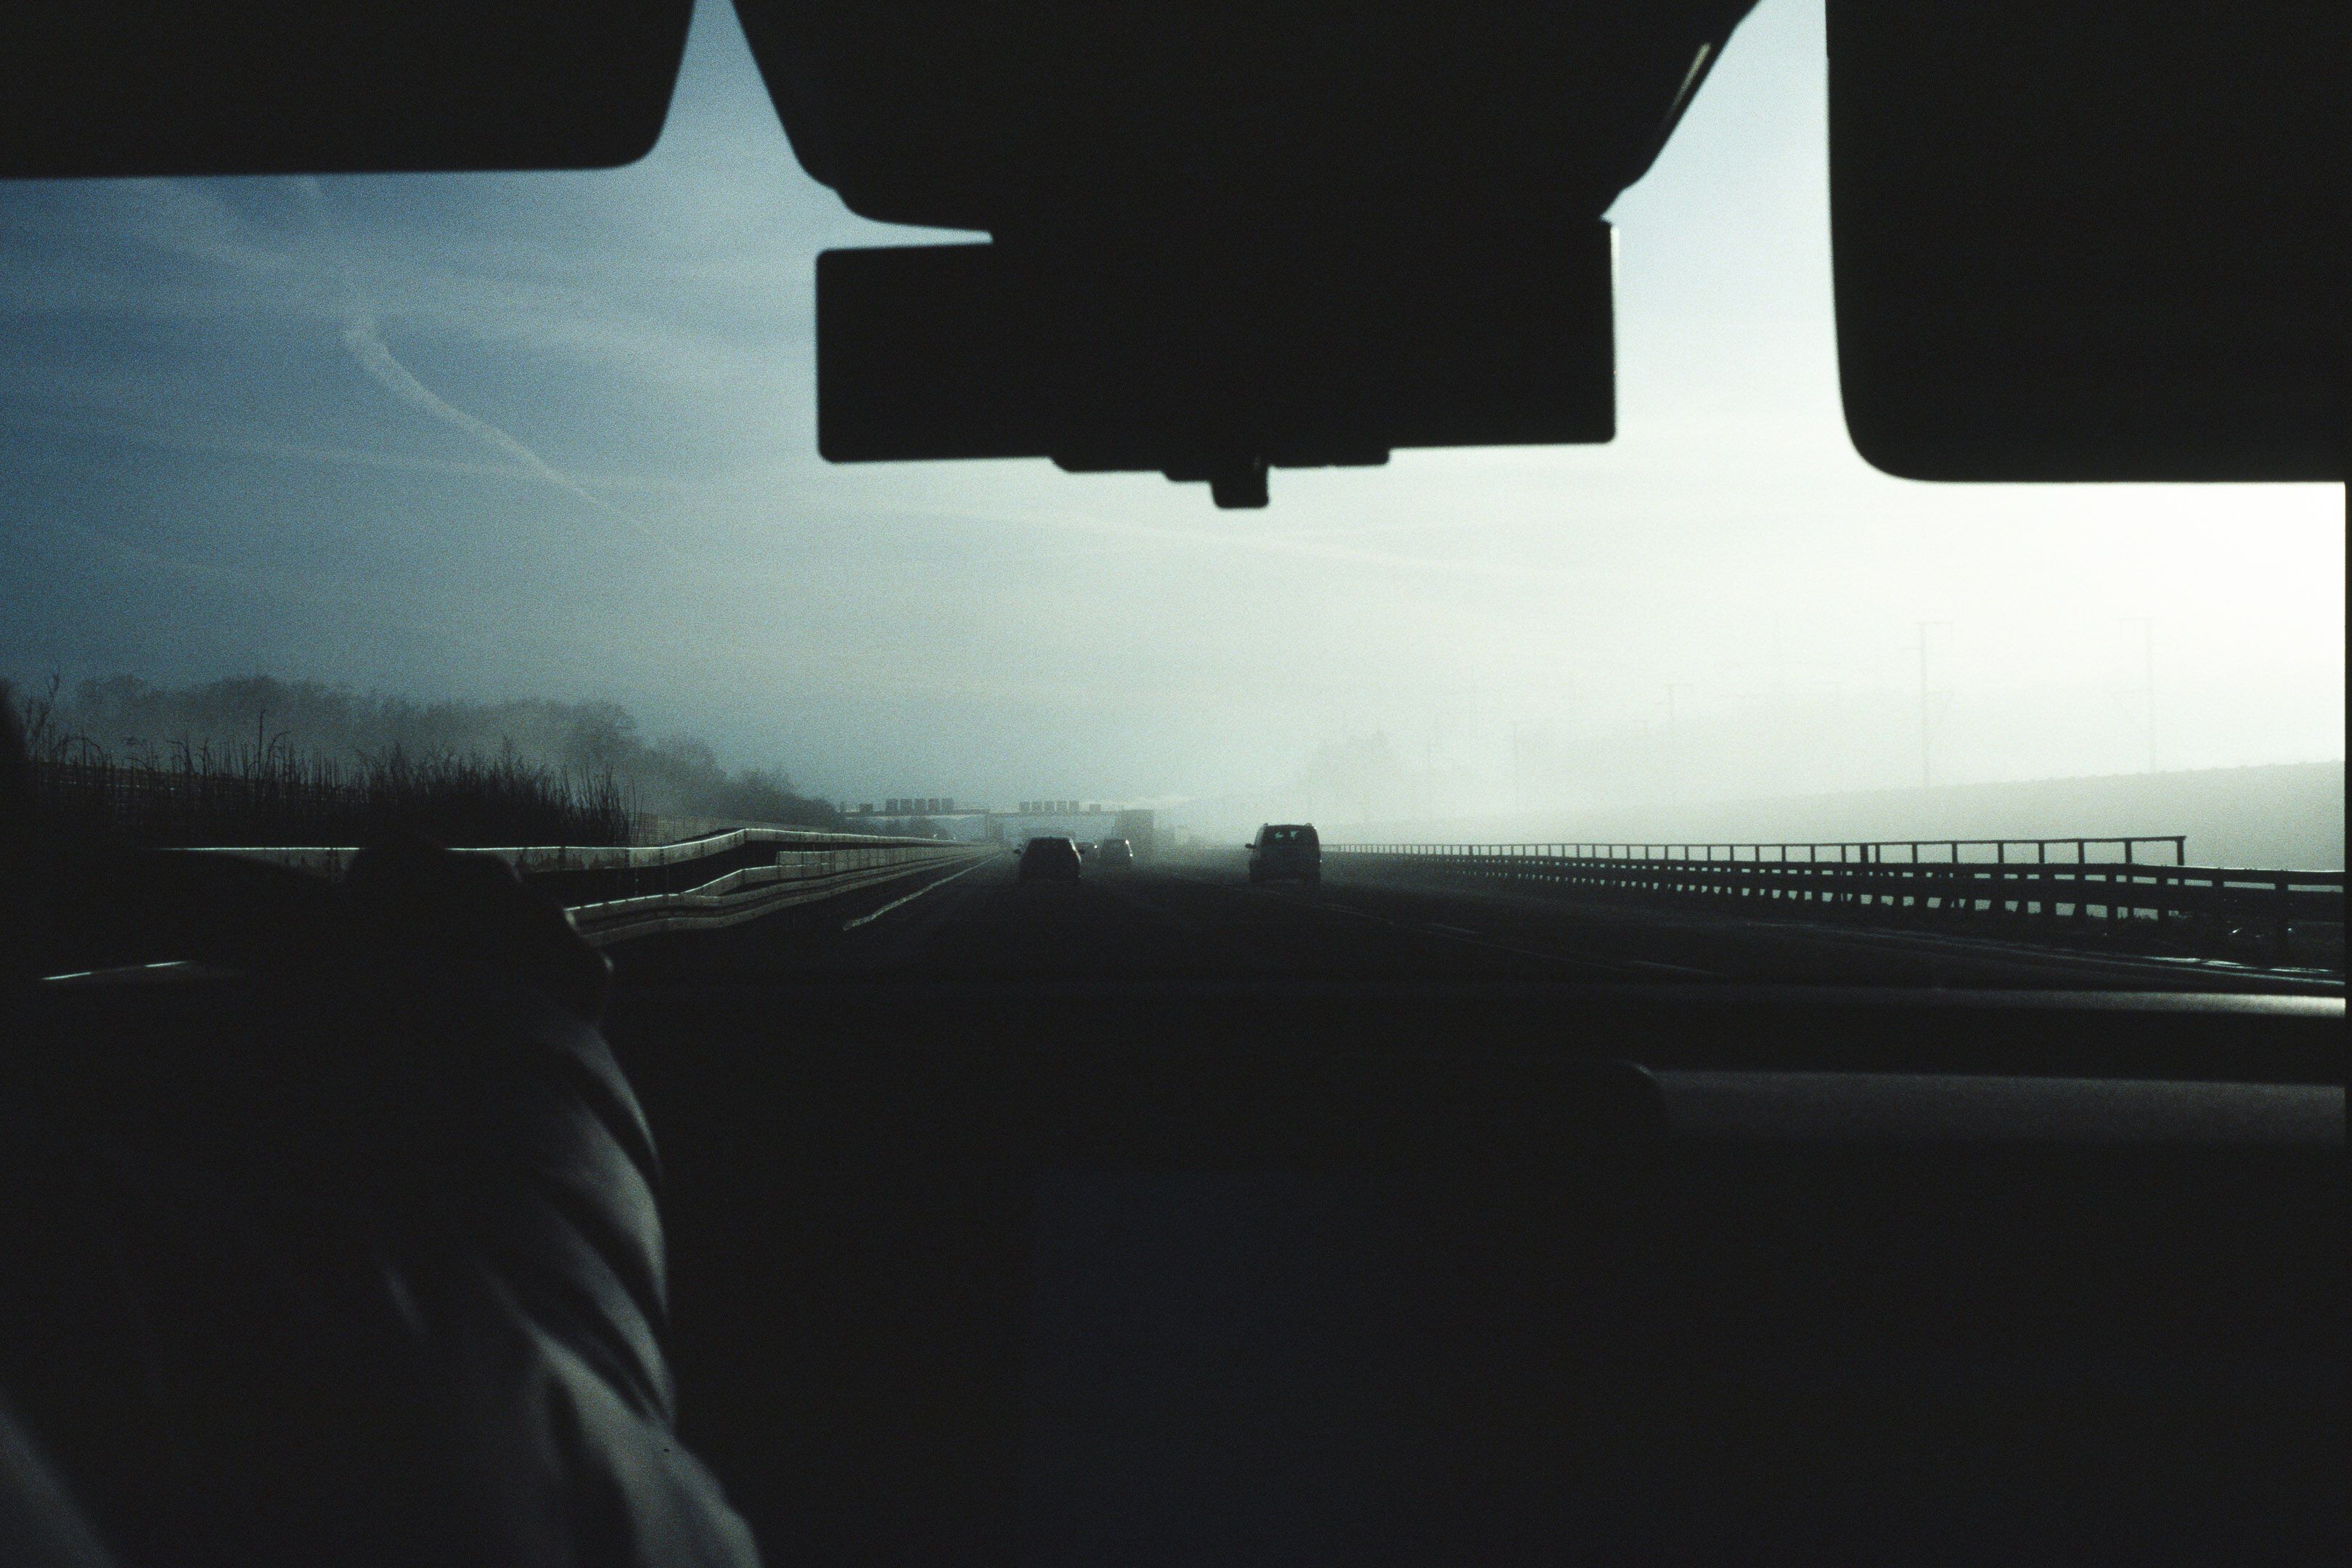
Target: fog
{"x":551,"y":438}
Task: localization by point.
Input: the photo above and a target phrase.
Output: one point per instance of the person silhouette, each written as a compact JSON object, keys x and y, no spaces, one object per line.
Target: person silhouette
{"x":332,"y":1232}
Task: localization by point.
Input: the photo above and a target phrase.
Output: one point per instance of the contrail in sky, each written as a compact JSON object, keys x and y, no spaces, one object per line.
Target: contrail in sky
{"x":375,"y":356}
{"x":367,"y":346}
{"x":364,"y":342}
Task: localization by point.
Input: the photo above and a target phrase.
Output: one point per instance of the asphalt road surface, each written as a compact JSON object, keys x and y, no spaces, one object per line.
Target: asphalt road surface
{"x":1205,"y":922}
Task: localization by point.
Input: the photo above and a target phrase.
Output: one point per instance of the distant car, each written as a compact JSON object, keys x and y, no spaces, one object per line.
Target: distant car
{"x":1049,"y":860}
{"x":1285,"y":849}
{"x":1112,"y":855}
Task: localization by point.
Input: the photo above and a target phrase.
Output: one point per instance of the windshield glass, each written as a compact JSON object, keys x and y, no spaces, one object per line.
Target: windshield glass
{"x":520,"y":470}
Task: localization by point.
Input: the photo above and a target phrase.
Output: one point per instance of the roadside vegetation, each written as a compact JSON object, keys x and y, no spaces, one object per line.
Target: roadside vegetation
{"x":269,"y":762}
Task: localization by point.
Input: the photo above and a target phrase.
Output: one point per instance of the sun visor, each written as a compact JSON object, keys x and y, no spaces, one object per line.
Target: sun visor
{"x":2076,"y":240}
{"x":91,"y":88}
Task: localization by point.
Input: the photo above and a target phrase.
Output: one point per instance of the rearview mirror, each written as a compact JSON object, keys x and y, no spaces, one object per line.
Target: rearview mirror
{"x":1206,"y":367}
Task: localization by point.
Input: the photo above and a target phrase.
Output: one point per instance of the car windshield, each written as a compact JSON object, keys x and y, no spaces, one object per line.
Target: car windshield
{"x":367,"y":482}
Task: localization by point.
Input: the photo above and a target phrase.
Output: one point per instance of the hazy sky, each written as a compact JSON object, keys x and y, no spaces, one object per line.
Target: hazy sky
{"x":553,"y":435}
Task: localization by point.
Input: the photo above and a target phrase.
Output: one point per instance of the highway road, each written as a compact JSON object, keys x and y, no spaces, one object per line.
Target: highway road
{"x":1204,"y":923}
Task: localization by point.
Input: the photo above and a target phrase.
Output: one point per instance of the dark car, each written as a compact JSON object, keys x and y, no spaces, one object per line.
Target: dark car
{"x":1285,"y":849}
{"x":1112,"y":855}
{"x":1049,"y":860}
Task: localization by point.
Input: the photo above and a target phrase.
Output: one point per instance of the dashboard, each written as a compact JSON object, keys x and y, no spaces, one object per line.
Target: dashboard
{"x":1277,"y":1274}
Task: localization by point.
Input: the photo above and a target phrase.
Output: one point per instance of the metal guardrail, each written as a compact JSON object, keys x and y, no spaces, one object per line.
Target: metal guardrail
{"x":2207,"y":911}
{"x":617,"y":893}
{"x":2129,"y":850}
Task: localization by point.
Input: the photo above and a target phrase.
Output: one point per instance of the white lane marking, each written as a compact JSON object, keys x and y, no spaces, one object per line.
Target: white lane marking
{"x":169,"y":969}
{"x":910,"y":898}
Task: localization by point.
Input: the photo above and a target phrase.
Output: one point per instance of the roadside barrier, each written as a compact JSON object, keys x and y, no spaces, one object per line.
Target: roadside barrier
{"x":617,"y":893}
{"x":2015,"y":887}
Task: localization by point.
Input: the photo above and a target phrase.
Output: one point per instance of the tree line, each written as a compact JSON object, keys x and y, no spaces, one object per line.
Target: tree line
{"x":125,"y":718}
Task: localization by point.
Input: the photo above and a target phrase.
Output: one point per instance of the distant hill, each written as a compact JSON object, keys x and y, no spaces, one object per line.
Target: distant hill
{"x":2288,"y":816}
